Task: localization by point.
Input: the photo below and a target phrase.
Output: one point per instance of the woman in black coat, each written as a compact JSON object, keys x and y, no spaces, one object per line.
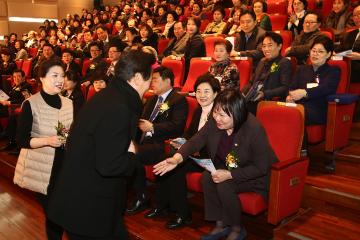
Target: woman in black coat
{"x":195,"y":46}
{"x":312,"y":84}
{"x":242,"y":156}
{"x":72,"y":90}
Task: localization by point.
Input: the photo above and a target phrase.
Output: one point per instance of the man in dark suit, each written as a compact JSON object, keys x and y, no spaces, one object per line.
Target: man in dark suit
{"x":177,"y":45}
{"x":104,"y":38}
{"x":88,"y":200}
{"x":351,"y":41}
{"x":116,"y":47}
{"x":163,"y":118}
{"x":249,"y":43}
{"x":97,"y":62}
{"x":300,"y":47}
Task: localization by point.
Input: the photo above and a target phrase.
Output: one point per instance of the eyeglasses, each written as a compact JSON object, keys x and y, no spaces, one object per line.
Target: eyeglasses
{"x":315,"y":51}
{"x":308,"y":22}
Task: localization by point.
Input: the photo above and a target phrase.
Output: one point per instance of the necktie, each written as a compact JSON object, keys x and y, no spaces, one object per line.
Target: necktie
{"x":111,"y":70}
{"x":156,"y":110}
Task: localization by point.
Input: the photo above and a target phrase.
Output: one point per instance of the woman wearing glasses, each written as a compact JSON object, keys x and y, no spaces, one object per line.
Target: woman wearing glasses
{"x":313,"y":83}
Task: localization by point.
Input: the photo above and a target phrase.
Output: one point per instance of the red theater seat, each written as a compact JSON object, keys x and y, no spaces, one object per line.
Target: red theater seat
{"x":278,"y":21}
{"x":177,"y":66}
{"x":209,"y":44}
{"x":26,"y":67}
{"x":287,"y":39}
{"x":245,"y":68}
{"x":19,"y":63}
{"x":90,"y":93}
{"x":277,"y":7}
{"x":162,"y":44}
{"x":85,"y":66}
{"x":198,"y":66}
{"x":32,"y":52}
{"x":282,"y":124}
{"x":203,"y":25}
{"x":317,"y":133}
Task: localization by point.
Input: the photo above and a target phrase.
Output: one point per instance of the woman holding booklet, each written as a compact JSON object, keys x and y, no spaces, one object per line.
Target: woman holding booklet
{"x":242,"y":155}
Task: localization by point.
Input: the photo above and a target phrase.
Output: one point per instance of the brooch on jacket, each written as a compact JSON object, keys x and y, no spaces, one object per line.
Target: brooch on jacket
{"x":231,"y":161}
{"x":164,"y":107}
{"x":274,"y":67}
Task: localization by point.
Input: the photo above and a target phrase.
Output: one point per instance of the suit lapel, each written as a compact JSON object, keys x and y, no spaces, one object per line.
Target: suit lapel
{"x":149,"y":107}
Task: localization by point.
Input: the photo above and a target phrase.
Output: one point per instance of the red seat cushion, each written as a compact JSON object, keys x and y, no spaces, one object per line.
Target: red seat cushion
{"x":149,"y":173}
{"x":193,"y":180}
{"x":252,"y":203}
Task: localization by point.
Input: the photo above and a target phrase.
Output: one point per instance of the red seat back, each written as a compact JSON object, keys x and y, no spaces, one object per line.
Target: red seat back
{"x":198,"y":66}
{"x":344,"y":66}
{"x":328,"y":33}
{"x":85,"y":66}
{"x":32,"y":52}
{"x":192,"y":104}
{"x":177,"y":66}
{"x":26,"y":67}
{"x":245,"y":68}
{"x":278,"y":21}
{"x":19,"y":63}
{"x":209,"y":44}
{"x":162,"y":44}
{"x":287,"y":38}
{"x":277,"y":7}
{"x":203,"y":25}
{"x":91,"y":92}
{"x":283,"y":125}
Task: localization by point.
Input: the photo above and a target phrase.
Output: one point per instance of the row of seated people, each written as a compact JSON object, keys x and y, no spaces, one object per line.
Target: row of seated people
{"x":164,"y":117}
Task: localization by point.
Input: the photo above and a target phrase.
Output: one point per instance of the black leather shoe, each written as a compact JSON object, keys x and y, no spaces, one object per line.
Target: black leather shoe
{"x":8,"y":147}
{"x":218,"y":235}
{"x":155,"y":212}
{"x":178,"y":222}
{"x":138,"y":206}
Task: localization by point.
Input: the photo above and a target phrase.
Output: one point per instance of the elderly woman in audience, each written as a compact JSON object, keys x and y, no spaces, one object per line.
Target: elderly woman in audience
{"x":232,"y":26}
{"x":218,"y":25}
{"x":272,"y":75}
{"x":312,"y":84}
{"x":161,"y":14}
{"x":232,"y":134}
{"x":195,"y":46}
{"x":297,"y":17}
{"x":171,"y":19}
{"x":340,"y":18}
{"x":262,"y":19}
{"x":224,"y":69}
{"x":72,"y":90}
{"x":67,"y":57}
{"x":44,"y":122}
{"x":180,"y":12}
{"x":31,"y":40}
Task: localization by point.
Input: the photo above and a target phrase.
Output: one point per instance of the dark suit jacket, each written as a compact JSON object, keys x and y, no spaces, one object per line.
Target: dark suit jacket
{"x":96,"y":64}
{"x":300,"y":47}
{"x":276,"y":84}
{"x":347,"y":42}
{"x":171,"y":123}
{"x":89,"y":196}
{"x":73,"y":67}
{"x":251,"y":147}
{"x":316,"y":102}
{"x":195,"y":47}
{"x":251,"y":47}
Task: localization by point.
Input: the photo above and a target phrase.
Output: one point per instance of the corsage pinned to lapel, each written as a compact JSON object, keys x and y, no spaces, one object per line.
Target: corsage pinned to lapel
{"x":274,"y":67}
{"x":231,"y":161}
{"x":164,"y":107}
{"x":92,"y":66}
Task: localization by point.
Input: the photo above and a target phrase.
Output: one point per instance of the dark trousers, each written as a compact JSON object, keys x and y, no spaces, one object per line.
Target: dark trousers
{"x":221,"y":200}
{"x":73,"y":236}
{"x":53,"y":230}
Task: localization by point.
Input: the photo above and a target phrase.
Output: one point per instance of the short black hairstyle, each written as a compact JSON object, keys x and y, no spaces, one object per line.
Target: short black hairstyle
{"x":173,"y":13}
{"x":165,"y":73}
{"x":47,"y":44}
{"x":250,"y":12}
{"x":305,"y":2}
{"x":98,"y":44}
{"x":274,"y":36}
{"x":17,"y":70}
{"x":318,"y":16}
{"x":132,"y":30}
{"x":228,"y":45}
{"x":326,"y":42}
{"x":264,"y":4}
{"x":68,"y":50}
{"x":132,"y":62}
{"x":74,"y":77}
{"x":47,"y":64}
{"x":100,"y":26}
{"x":210,"y":79}
{"x":219,"y":9}
{"x":118,"y":44}
{"x":233,"y":103}
{"x":197,"y":22}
